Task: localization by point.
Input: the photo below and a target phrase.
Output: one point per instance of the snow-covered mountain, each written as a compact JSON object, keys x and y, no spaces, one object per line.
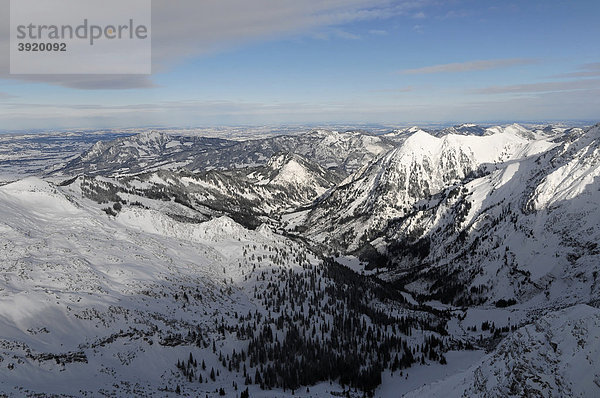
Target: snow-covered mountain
{"x":146,"y":151}
{"x":514,"y":128}
{"x":556,"y":356}
{"x":400,"y":135}
{"x":525,"y":231}
{"x":295,"y":172}
{"x":388,"y":188}
{"x":142,"y":304}
{"x":342,"y":151}
{"x":251,"y":195}
{"x":464,"y":129}
{"x":22,"y":155}
{"x":466,"y":264}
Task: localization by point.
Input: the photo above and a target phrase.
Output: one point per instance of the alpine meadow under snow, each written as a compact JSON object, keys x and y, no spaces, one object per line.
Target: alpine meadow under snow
{"x":458,"y":262}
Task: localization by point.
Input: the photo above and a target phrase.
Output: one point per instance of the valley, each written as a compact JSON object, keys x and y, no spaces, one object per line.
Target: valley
{"x":445,"y":262}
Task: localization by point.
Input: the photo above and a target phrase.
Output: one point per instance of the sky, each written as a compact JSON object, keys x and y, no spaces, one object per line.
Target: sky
{"x":270,"y":62}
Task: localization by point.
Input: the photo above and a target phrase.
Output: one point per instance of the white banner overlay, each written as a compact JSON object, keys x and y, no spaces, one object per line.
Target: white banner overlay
{"x":80,"y":37}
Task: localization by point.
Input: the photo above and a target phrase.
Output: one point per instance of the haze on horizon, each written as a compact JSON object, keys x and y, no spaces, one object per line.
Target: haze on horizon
{"x":232,"y":62}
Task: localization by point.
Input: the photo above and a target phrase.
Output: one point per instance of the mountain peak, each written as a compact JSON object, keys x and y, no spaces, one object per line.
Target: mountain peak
{"x":290,"y":168}
{"x":278,"y":161}
{"x":152,"y":136}
{"x":514,"y":129}
{"x":413,"y":129}
{"x":422,"y":141}
{"x":463,"y":129}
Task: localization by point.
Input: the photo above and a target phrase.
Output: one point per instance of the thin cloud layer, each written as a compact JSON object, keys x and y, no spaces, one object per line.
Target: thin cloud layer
{"x":469,"y":66}
{"x":545,"y":105}
{"x":92,"y":82}
{"x":585,"y":84}
{"x":586,"y":70}
{"x":184,"y":29}
{"x":406,"y":89}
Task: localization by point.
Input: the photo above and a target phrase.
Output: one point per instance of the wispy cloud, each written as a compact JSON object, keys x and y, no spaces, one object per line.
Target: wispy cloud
{"x":456,"y":14}
{"x":470,"y":66}
{"x":193,"y":28}
{"x":419,"y":15}
{"x":418,"y":28}
{"x":572,"y":85}
{"x":40,"y":115}
{"x":580,"y":104}
{"x":335,"y":34}
{"x":586,"y":70}
{"x":92,"y":82}
{"x":4,"y":96}
{"x":406,"y":89}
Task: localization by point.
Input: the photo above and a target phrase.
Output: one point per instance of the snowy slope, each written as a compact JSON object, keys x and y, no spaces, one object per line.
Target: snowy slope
{"x":22,"y":155}
{"x":399,"y":136}
{"x":295,"y":172}
{"x":556,"y":356}
{"x":92,"y":304}
{"x":526,"y":231}
{"x":102,"y":302}
{"x":465,"y":129}
{"x":148,"y":150}
{"x":515,"y":129}
{"x":388,"y":187}
{"x":482,"y":238}
{"x":251,"y":196}
{"x":342,"y":151}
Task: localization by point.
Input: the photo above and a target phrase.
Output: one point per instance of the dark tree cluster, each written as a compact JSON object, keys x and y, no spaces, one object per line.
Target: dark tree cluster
{"x":317,"y":323}
{"x":329,"y":323}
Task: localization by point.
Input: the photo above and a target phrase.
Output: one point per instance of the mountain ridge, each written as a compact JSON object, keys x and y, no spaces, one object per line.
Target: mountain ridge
{"x":329,"y":263}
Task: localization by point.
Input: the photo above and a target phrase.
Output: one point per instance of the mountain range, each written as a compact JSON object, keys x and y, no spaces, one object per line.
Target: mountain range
{"x":319,"y":264}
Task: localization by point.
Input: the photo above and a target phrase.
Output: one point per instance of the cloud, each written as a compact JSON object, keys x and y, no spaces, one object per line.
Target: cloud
{"x":582,"y":105}
{"x":335,"y":33}
{"x":406,"y":89}
{"x":419,"y":15}
{"x":572,"y":85}
{"x":4,"y":96}
{"x":207,"y":26}
{"x":586,"y":70}
{"x":456,"y":14}
{"x":177,"y":113}
{"x":92,"y":82}
{"x":184,"y":29}
{"x":469,"y":66}
{"x":541,"y":106}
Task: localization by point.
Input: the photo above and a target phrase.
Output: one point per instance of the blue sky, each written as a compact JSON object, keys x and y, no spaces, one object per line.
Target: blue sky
{"x":261,"y":62}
